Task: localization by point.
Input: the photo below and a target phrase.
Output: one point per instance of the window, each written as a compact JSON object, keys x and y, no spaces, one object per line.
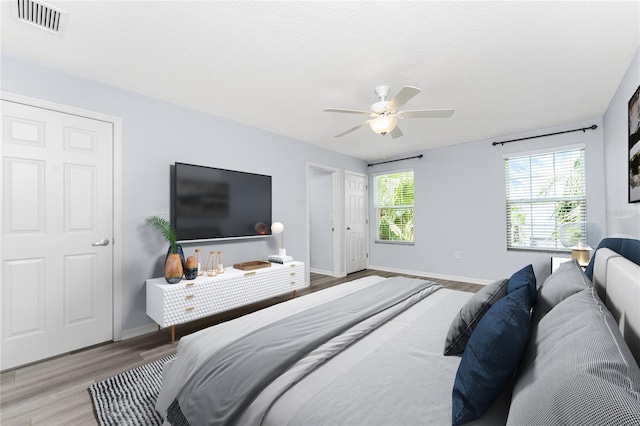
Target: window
{"x":394,"y":207}
{"x":544,"y":193}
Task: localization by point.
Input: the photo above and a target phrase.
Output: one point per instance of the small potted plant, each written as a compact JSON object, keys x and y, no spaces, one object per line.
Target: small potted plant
{"x":174,"y":262}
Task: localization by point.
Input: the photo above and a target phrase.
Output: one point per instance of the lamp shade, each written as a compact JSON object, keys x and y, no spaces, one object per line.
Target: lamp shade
{"x":277,"y":227}
{"x":383,"y":124}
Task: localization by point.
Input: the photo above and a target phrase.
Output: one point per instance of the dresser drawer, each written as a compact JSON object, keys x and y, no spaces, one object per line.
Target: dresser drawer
{"x":296,"y":277}
{"x":185,"y":301}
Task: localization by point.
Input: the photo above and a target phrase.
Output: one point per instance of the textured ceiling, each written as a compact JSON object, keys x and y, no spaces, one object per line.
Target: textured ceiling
{"x":505,"y":67}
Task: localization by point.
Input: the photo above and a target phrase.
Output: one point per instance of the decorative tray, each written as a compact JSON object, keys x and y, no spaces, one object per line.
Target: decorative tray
{"x":255,"y":264}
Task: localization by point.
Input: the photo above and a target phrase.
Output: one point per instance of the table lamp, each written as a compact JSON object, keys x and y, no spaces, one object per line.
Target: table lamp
{"x":278,"y":228}
{"x":576,"y":236}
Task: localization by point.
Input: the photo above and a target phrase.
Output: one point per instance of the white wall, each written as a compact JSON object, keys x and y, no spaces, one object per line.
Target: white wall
{"x":623,"y":218}
{"x":460,"y":206}
{"x":155,"y":135}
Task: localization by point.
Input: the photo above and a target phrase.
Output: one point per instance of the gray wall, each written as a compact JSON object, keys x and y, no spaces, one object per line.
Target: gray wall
{"x":460,"y":206}
{"x":623,"y":218}
{"x":460,"y":200}
{"x":155,"y":135}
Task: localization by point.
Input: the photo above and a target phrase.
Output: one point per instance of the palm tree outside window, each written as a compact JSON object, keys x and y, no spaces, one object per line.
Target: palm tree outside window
{"x":394,"y":205}
{"x":544,"y":191}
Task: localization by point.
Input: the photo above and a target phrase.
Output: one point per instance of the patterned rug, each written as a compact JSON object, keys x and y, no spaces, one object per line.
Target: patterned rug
{"x":129,"y":398}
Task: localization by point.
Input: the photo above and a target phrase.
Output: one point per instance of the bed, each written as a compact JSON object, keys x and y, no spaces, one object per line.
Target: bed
{"x":518,"y":352}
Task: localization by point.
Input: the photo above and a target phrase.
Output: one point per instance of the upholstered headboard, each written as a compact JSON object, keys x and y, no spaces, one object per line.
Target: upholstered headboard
{"x":617,"y":280}
{"x":627,"y":247}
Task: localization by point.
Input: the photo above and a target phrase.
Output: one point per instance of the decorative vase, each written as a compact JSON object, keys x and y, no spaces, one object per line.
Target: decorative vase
{"x":201,"y":264}
{"x":219,"y":265}
{"x":174,"y":265}
{"x":173,"y":268}
{"x":190,"y":268}
{"x":210,"y":269}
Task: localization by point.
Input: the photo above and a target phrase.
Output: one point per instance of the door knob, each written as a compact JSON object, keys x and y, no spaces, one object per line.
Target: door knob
{"x":102,"y":242}
{"x":348,"y":228}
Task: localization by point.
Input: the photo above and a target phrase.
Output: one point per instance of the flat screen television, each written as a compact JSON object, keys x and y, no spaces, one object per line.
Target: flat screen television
{"x":210,"y":203}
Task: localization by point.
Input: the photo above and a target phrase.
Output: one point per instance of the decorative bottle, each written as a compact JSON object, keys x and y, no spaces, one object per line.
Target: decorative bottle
{"x":201,"y":265}
{"x":211,"y":264}
{"x":219,"y":264}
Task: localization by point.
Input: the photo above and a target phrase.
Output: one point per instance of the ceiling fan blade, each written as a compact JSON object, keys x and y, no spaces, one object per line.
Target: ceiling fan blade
{"x":403,"y":97}
{"x":348,"y":111}
{"x":427,"y":113}
{"x":396,"y":132}
{"x":352,"y":129}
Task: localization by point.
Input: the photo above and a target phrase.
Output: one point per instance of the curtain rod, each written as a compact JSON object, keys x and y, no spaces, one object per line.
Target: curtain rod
{"x":584,"y":129}
{"x":391,"y":161}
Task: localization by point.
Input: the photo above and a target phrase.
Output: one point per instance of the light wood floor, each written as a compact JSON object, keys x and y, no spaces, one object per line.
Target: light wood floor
{"x":54,"y":392}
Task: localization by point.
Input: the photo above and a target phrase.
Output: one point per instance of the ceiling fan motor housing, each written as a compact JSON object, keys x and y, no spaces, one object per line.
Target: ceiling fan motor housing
{"x":382,"y":92}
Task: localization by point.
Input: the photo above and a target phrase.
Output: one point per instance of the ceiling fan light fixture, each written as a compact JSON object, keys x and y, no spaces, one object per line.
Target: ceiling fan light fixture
{"x":383,"y":115}
{"x":383,"y":124}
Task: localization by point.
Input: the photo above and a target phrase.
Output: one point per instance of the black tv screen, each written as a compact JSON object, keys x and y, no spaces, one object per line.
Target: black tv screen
{"x":211,"y":203}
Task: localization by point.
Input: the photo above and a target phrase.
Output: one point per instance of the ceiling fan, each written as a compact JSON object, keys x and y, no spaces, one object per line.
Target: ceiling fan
{"x":384,"y":114}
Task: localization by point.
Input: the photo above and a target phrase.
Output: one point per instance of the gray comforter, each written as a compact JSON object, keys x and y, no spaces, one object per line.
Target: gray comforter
{"x":231,"y":378}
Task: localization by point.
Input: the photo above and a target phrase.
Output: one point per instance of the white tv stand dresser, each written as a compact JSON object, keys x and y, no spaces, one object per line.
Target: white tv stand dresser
{"x":188,"y":300}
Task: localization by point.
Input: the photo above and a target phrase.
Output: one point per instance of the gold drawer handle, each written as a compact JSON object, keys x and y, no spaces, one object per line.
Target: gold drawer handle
{"x":293,"y":266}
{"x":246,"y":274}
{"x":189,"y":296}
{"x":293,"y":282}
{"x":190,"y":284}
{"x":191,"y":308}
{"x":293,"y":274}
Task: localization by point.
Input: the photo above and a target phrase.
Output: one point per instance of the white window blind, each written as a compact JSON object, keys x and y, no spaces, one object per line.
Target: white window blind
{"x":544,"y":192}
{"x":394,"y":207}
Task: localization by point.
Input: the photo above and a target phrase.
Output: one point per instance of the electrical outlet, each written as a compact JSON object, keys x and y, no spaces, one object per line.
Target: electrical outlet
{"x":456,"y":255}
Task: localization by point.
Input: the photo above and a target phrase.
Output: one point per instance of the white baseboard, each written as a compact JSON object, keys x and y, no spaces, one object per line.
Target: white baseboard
{"x":432,"y":275}
{"x":341,"y":274}
{"x":321,"y":272}
{"x":139,"y":331}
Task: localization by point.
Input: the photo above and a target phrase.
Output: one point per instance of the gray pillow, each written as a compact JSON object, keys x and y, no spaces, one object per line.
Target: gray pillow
{"x":577,"y":369}
{"x":567,"y":280}
{"x":470,"y":314}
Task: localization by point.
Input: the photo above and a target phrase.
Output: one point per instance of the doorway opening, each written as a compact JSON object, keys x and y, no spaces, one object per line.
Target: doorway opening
{"x":323,"y":220}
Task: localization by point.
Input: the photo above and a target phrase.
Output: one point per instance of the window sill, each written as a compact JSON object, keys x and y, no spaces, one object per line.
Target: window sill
{"x":540,"y":250}
{"x":398,"y":243}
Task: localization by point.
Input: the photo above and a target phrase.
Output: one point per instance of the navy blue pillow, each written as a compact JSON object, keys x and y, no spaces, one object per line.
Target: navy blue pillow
{"x":491,"y":356}
{"x":525,"y":277}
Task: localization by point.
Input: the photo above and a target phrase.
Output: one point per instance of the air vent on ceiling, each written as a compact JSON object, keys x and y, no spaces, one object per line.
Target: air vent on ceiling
{"x":41,"y":15}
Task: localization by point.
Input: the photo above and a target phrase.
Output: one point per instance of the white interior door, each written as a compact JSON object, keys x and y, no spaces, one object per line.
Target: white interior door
{"x":57,"y":227}
{"x":356,"y":222}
